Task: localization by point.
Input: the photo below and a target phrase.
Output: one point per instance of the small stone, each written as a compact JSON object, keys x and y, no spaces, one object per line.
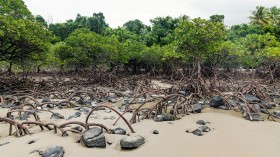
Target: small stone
{"x":204,"y":128}
{"x":254,"y":117}
{"x":2,"y":144}
{"x":112,"y":100}
{"x":155,"y":132}
{"x":265,"y":105}
{"x":118,"y":130}
{"x":277,"y":113}
{"x":77,"y":114}
{"x":84,"y":110}
{"x":197,"y":132}
{"x":200,"y":122}
{"x":78,"y":128}
{"x":223,"y":107}
{"x":164,"y":117}
{"x":264,"y":111}
{"x":108,"y":111}
{"x":112,"y":117}
{"x":45,"y":100}
{"x":56,"y":116}
{"x":31,"y":142}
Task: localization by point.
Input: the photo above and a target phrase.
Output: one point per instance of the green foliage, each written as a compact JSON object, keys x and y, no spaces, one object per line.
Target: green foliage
{"x":21,"y":36}
{"x":260,"y":16}
{"x":163,"y":28}
{"x":217,"y":18}
{"x":265,"y":16}
{"x":198,"y":37}
{"x":252,"y":48}
{"x":41,"y":20}
{"x":135,"y":26}
{"x":96,"y":24}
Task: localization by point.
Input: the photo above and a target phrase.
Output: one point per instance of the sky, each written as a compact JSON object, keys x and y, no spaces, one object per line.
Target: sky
{"x":117,"y":12}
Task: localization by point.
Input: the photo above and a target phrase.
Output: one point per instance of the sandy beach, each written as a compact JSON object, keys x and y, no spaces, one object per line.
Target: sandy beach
{"x":230,"y":136}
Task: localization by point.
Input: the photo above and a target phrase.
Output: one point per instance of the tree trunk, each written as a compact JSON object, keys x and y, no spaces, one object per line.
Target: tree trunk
{"x":10,"y":67}
{"x":38,"y":69}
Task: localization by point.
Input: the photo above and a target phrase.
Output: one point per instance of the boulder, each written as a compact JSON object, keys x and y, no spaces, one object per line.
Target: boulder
{"x":56,"y":151}
{"x":216,"y":101}
{"x":132,"y":142}
{"x":94,"y":138}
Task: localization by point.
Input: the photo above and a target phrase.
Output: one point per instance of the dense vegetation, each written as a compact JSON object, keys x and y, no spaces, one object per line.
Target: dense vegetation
{"x":166,"y":46}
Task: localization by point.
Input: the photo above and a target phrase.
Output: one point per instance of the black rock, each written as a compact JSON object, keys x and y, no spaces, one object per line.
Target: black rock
{"x":131,"y":142}
{"x":200,"y":122}
{"x":84,"y":110}
{"x":204,"y":128}
{"x":32,"y":141}
{"x":56,"y":151}
{"x":23,"y":116}
{"x":87,"y":102}
{"x":257,"y":106}
{"x":78,"y":128}
{"x":119,"y":131}
{"x":265,"y":104}
{"x":12,"y":117}
{"x":264,"y":111}
{"x":182,"y":92}
{"x":164,"y":117}
{"x":197,"y":132}
{"x":277,"y":113}
{"x":8,"y":105}
{"x":56,"y":116}
{"x":155,"y":132}
{"x":216,"y":101}
{"x":94,"y":138}
{"x":255,"y":117}
{"x":77,"y":114}
{"x":45,"y":100}
{"x":251,"y":98}
{"x":195,"y":108}
{"x":233,"y":103}
{"x":2,"y":144}
{"x":223,"y":107}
